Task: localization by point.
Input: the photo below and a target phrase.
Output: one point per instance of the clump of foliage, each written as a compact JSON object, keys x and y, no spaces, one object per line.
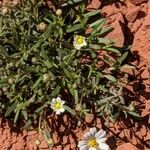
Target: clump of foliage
{"x":39,"y":61}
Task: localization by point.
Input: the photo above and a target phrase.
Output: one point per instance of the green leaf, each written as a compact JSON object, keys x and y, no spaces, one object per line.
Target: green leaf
{"x":74,"y":28}
{"x":111,"y":78}
{"x":122,"y":58}
{"x":111,"y":49}
{"x":76,"y":96}
{"x":85,"y":20}
{"x":16,"y":116}
{"x":70,"y":110}
{"x":97,"y":28}
{"x":56,"y":91}
{"x":68,"y":73}
{"x":37,"y":82}
{"x":92,"y":13}
{"x":98,"y":23}
{"x":25,"y":114}
{"x":134,"y":114}
{"x":47,"y":137}
{"x":27,"y":124}
{"x":48,"y":64}
{"x":10,"y":109}
{"x":95,"y":46}
{"x":104,"y":41}
{"x":3,"y":52}
{"x":105,"y":31}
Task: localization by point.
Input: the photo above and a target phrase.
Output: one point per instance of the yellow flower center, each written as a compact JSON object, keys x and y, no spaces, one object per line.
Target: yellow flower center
{"x":58,"y":105}
{"x":92,"y":143}
{"x":80,"y":40}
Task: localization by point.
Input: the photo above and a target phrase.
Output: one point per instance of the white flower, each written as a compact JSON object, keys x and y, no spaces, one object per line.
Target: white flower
{"x":41,"y":27}
{"x":57,"y":105}
{"x":94,"y":140}
{"x":58,"y":12}
{"x":79,"y":41}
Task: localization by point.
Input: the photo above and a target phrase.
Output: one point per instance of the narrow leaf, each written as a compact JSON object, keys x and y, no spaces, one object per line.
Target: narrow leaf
{"x":70,"y":110}
{"x":74,"y":28}
{"x":111,"y":78}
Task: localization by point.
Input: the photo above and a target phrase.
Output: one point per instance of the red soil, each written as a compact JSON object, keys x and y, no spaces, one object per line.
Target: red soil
{"x":130,"y":19}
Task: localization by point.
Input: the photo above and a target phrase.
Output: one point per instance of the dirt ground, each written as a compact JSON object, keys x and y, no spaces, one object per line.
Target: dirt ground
{"x":131,"y":22}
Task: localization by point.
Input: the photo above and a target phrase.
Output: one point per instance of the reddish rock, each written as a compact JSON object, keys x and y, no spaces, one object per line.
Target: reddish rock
{"x":67,"y":147}
{"x":43,"y":145}
{"x":137,"y":2}
{"x":144,"y":131}
{"x":141,"y":43}
{"x":89,"y":118}
{"x":32,"y":133}
{"x":146,"y":111}
{"x":127,"y":146}
{"x":132,"y":14}
{"x":110,"y":10}
{"x":118,"y":33}
{"x":94,"y":4}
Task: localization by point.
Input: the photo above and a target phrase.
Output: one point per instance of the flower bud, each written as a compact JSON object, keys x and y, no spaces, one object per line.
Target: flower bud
{"x":5,"y":10}
{"x":34,"y":60}
{"x":78,"y":107}
{"x":58,"y":12}
{"x":41,"y":27}
{"x":10,"y":81}
{"x":46,"y":77}
{"x":5,"y":89}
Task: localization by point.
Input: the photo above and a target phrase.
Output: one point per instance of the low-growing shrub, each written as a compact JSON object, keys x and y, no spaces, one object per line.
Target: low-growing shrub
{"x":56,"y":61}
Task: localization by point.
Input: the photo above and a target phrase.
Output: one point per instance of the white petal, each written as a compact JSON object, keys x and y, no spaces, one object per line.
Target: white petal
{"x":75,"y":37}
{"x":87,"y":135}
{"x":91,"y":148}
{"x":58,"y":112}
{"x":82,"y":143}
{"x":104,"y":146}
{"x":85,"y":44}
{"x":58,"y":99}
{"x":93,"y":131}
{"x":77,"y":47}
{"x":101,"y":140}
{"x":100,"y":134}
{"x":62,"y":110}
{"x":83,"y":148}
{"x":53,"y":100}
{"x":63,"y":102}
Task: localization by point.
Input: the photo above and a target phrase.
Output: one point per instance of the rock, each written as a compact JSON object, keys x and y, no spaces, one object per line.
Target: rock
{"x":132,"y":14}
{"x":94,"y":4}
{"x":118,"y":33}
{"x":143,"y":131}
{"x":141,"y":43}
{"x":32,"y":133}
{"x":89,"y":118}
{"x":137,"y":2}
{"x":110,"y":10}
{"x":127,"y":146}
{"x":43,"y":145}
